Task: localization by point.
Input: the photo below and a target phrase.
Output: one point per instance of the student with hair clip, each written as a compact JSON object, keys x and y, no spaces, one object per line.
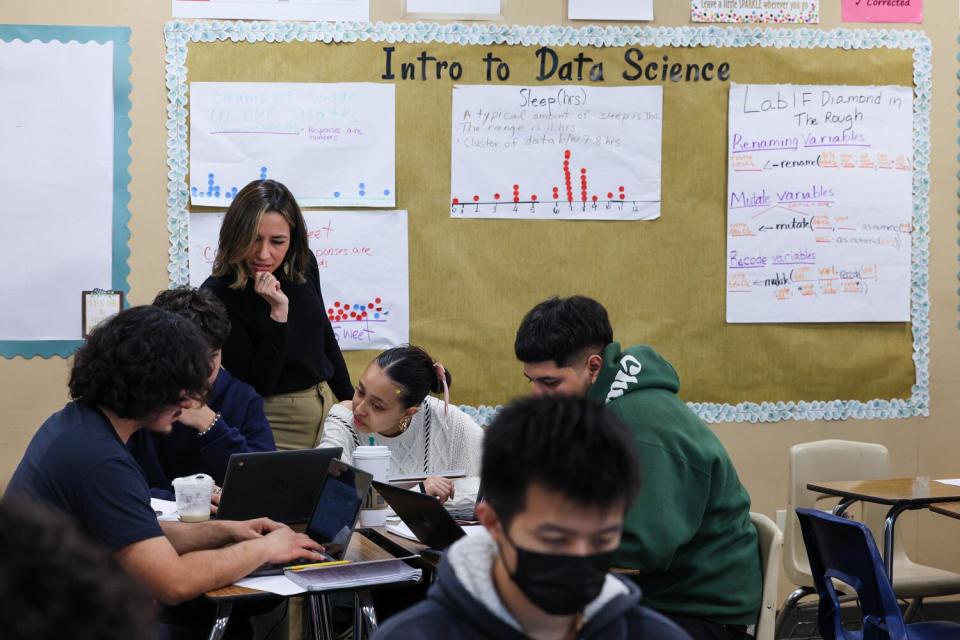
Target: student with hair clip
{"x":281,"y":341}
{"x":392,"y":407}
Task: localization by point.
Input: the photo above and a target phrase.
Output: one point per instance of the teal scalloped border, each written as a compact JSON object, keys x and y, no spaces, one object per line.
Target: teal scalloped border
{"x":178,"y":34}
{"x":120,"y":37}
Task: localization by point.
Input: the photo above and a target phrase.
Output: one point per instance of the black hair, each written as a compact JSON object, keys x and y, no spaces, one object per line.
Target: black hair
{"x":140,"y":362}
{"x":412,"y":369}
{"x":55,"y":582}
{"x":567,"y":444}
{"x":202,"y":307}
{"x":561,"y":329}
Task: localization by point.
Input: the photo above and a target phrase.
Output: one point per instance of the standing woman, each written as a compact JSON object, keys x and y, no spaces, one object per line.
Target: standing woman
{"x":281,"y":341}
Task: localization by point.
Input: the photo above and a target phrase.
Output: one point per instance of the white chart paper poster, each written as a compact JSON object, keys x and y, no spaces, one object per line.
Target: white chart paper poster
{"x":556,"y":153}
{"x":56,"y":174}
{"x":356,"y":10}
{"x":610,"y":9}
{"x":363,"y":263}
{"x":819,"y":203}
{"x":331,"y":144}
{"x":461,"y":8}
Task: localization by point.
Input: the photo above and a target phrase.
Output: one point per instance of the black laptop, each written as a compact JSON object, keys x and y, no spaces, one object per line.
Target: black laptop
{"x":423,"y":514}
{"x":280,"y":485}
{"x":334,"y":515}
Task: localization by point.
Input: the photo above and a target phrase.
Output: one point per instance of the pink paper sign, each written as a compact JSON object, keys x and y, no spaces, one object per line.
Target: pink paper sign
{"x":883,"y":10}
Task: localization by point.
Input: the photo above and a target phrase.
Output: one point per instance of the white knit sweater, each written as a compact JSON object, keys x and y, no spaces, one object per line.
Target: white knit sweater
{"x":455,"y":443}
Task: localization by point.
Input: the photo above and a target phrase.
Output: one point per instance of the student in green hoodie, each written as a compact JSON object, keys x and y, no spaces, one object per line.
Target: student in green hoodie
{"x":689,"y":532}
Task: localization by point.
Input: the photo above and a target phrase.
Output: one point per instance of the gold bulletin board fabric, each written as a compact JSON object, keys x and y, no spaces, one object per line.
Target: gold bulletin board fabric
{"x":663,"y":282}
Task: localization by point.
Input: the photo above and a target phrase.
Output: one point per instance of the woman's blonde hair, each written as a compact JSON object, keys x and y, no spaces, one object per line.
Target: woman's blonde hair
{"x":242,"y":223}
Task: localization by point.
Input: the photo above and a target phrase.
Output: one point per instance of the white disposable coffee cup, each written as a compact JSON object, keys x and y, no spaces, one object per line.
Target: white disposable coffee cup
{"x":374,"y":460}
{"x":193,"y":497}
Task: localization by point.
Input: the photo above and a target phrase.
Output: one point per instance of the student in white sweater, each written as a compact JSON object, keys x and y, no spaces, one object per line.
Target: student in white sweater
{"x":392,"y":406}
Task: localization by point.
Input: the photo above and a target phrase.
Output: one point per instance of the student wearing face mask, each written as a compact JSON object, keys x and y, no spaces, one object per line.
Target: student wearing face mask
{"x":392,"y":407}
{"x":558,"y":476}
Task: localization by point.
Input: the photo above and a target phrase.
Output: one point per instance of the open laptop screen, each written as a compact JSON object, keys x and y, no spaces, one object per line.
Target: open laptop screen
{"x":331,"y":523}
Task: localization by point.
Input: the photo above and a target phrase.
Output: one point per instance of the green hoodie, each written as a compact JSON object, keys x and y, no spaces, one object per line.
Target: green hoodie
{"x":689,"y":531}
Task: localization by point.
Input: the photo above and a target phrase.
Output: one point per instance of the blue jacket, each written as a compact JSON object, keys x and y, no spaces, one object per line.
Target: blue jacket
{"x":242,"y":427}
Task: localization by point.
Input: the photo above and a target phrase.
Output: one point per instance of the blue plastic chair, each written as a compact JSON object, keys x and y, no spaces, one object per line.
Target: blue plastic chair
{"x":844,"y":550}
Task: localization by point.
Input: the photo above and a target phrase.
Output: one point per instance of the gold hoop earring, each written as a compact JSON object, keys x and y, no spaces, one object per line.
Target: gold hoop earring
{"x":405,"y":423}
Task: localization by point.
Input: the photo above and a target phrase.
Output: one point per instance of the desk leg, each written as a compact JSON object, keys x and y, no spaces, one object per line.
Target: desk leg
{"x":842,"y":507}
{"x":888,"y":538}
{"x":221,"y":620}
{"x":320,"y":620}
{"x":364,"y":616}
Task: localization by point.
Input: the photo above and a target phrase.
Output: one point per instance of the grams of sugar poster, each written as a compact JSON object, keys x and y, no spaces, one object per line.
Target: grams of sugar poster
{"x":819,"y":203}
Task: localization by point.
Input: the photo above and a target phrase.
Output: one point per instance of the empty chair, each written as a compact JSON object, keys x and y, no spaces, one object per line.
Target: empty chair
{"x":826,"y":460}
{"x":771,"y":542}
{"x":845,"y":551}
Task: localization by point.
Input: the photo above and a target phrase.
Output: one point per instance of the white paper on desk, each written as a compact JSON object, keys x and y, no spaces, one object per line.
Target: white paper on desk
{"x":951,"y":481}
{"x":279,"y":585}
{"x":331,"y":144}
{"x":401,"y":529}
{"x":167,"y":509}
{"x":610,"y":10}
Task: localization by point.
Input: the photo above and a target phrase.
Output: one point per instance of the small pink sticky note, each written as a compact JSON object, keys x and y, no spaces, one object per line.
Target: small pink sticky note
{"x":883,"y":10}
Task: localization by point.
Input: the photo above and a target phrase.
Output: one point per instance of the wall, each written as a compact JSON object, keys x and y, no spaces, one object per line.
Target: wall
{"x":32,"y":389}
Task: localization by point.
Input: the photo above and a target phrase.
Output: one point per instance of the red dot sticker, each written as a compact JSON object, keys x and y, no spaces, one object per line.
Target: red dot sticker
{"x":515,"y":187}
{"x":377,"y":300}
{"x":496,"y":196}
{"x":566,"y":153}
{"x":609,"y":195}
{"x":583,"y":170}
{"x":370,"y":305}
{"x":533,"y":197}
{"x":337,"y":303}
{"x":330,"y":312}
{"x":594,"y":198}
{"x":620,"y":189}
{"x":456,"y":201}
{"x":516,"y":199}
{"x":622,"y":196}
{"x":476,"y":198}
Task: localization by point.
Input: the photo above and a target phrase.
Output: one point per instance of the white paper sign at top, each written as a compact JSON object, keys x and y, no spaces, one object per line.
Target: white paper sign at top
{"x":556,"y":152}
{"x":357,"y":10}
{"x":610,"y":9}
{"x":363,"y":263}
{"x":331,"y":144}
{"x":462,"y":8}
{"x":819,"y":203}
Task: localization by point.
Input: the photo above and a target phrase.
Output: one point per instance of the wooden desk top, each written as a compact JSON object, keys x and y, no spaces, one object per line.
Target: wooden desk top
{"x":890,"y":491}
{"x":951,"y":509}
{"x":361,"y":549}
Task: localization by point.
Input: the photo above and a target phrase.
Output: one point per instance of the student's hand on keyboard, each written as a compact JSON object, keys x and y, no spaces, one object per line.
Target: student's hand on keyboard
{"x":440,"y":488}
{"x":285,"y":546}
{"x":252,"y":529}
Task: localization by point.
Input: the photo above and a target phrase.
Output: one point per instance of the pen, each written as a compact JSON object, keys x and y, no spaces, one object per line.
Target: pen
{"x":314,"y":565}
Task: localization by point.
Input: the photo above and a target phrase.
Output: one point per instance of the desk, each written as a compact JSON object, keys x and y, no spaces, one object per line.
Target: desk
{"x":361,"y":549}
{"x":951,"y":509}
{"x":900,"y":494}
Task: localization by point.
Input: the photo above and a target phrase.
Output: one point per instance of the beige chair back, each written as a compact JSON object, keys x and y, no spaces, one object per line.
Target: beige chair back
{"x":824,"y":460}
{"x":771,"y":543}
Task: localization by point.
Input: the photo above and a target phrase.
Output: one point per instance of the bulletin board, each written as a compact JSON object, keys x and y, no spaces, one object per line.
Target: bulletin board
{"x":663,"y":281}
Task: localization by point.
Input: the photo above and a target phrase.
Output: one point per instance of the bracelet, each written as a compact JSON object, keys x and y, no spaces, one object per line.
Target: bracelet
{"x":212,"y":424}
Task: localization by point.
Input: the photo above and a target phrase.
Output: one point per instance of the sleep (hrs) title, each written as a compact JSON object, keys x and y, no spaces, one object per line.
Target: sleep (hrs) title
{"x":552,"y":66}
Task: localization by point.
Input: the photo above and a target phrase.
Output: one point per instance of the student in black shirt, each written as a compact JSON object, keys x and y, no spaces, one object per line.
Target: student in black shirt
{"x":281,"y":341}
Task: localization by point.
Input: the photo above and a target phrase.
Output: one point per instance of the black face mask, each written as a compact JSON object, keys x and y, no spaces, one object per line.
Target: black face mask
{"x":558,"y":584}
